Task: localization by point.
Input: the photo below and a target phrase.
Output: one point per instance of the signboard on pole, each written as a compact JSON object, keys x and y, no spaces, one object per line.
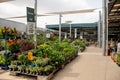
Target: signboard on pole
{"x":48,"y":34}
{"x":30,"y":20}
{"x":30,"y":15}
{"x":31,"y":27}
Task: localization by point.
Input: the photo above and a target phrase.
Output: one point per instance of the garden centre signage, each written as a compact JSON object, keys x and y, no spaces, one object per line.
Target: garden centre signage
{"x":48,"y":34}
{"x":31,"y":27}
{"x":30,"y":15}
{"x":30,"y":20}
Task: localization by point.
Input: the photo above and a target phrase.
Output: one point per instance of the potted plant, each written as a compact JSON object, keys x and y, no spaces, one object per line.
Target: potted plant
{"x":22,"y":68}
{"x":48,"y":69}
{"x":2,"y":60}
{"x":13,"y":67}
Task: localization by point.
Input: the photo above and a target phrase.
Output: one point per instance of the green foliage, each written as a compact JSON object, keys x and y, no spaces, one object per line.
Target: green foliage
{"x":41,"y":61}
{"x":44,"y":49}
{"x":2,"y":43}
{"x":56,"y":56}
{"x":13,"y":66}
{"x":54,"y":39}
{"x":79,"y":43}
{"x":47,"y":56}
{"x":40,"y":39}
{"x":10,"y":58}
{"x":63,"y":45}
{"x":14,"y":47}
{"x":48,"y":68}
{"x":2,"y":60}
{"x":65,"y":40}
{"x":21,"y":67}
{"x":118,"y":57}
{"x":23,"y":58}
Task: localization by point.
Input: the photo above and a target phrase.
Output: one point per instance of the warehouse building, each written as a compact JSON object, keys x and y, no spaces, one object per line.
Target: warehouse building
{"x":13,"y":24}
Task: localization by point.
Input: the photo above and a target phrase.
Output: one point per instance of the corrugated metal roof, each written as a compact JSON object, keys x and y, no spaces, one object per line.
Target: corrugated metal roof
{"x":114,"y":13}
{"x":74,"y":25}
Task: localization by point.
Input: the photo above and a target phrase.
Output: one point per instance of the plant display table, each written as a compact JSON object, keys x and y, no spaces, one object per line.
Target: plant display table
{"x":47,"y":59}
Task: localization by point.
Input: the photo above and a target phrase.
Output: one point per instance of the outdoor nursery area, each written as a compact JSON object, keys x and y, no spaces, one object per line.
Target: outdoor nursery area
{"x":56,"y":41}
{"x":50,"y":55}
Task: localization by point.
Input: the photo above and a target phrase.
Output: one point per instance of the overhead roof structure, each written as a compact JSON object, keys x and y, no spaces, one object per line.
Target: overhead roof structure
{"x":114,"y":12}
{"x":74,"y":25}
{"x":114,"y":19}
{"x":87,"y":30}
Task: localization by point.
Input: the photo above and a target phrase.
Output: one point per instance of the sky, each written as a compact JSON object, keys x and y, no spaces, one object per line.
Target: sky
{"x":18,"y":8}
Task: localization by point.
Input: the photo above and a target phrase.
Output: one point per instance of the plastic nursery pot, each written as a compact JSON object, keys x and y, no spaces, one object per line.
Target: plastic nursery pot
{"x":27,"y":71}
{"x":47,"y":73}
{"x":15,"y":69}
{"x":35,"y":73}
{"x":11,"y":69}
{"x":118,"y":64}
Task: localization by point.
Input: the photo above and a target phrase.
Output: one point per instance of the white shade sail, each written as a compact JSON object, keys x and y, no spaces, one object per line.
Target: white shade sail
{"x":56,"y":13}
{"x":73,"y":12}
{"x":39,"y":15}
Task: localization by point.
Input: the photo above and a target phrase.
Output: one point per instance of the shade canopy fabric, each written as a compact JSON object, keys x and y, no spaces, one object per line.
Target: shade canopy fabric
{"x":56,"y":13}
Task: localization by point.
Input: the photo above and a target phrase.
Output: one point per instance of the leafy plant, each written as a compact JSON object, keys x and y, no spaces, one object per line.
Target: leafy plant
{"x":2,"y":60}
{"x":14,"y":48}
{"x":42,"y":61}
{"x":48,"y":68}
{"x":21,"y":67}
{"x":13,"y":67}
{"x":118,"y":57}
{"x":44,"y":49}
{"x":79,"y":43}
{"x":23,"y":58}
{"x":26,"y":45}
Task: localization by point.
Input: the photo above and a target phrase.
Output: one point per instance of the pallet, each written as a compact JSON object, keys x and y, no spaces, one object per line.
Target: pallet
{"x":49,"y":77}
{"x":39,"y":77}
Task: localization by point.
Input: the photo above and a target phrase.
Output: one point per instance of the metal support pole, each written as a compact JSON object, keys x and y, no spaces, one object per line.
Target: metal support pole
{"x":99,"y":30}
{"x":70,"y":30}
{"x":106,"y":27}
{"x":60,"y":27}
{"x":35,"y":12}
{"x":105,"y":35}
{"x":6,"y":54}
{"x":75,"y":33}
{"x":65,"y":35}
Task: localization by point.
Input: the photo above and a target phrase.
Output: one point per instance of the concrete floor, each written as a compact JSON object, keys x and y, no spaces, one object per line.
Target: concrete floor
{"x":89,"y":65}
